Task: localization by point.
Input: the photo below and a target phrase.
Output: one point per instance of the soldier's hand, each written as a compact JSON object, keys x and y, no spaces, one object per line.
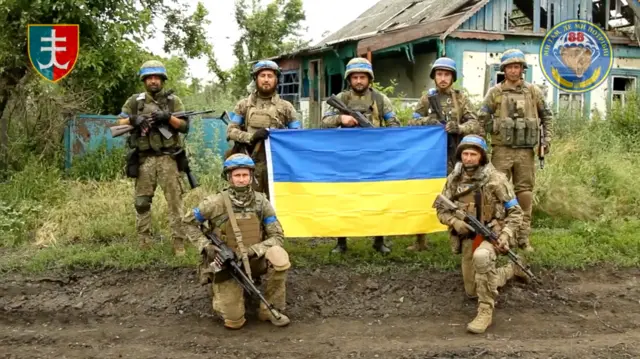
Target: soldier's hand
{"x":452,"y":127}
{"x":503,"y":243}
{"x":546,"y":148}
{"x":460,"y":226}
{"x":259,"y":135}
{"x":348,"y":121}
{"x":139,"y":121}
{"x":161,"y":117}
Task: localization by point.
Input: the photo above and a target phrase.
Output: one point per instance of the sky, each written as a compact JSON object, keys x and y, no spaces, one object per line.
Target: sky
{"x":321,"y":16}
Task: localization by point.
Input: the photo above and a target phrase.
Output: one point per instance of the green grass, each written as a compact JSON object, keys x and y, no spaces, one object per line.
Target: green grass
{"x":578,"y":247}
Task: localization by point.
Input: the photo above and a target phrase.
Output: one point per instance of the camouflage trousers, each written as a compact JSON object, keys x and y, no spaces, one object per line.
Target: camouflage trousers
{"x":518,"y":164}
{"x":154,"y":171}
{"x":480,"y":276}
{"x":228,"y":295}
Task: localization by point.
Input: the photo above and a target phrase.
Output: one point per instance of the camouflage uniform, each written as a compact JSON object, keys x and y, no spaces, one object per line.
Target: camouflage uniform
{"x":156,"y":157}
{"x":457,"y":112}
{"x":487,"y":195}
{"x":376,"y":107}
{"x":256,"y":113}
{"x":261,"y":236}
{"x":512,"y":114}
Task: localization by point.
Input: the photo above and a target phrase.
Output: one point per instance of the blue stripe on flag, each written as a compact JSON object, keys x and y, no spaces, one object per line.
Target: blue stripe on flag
{"x":359,"y":154}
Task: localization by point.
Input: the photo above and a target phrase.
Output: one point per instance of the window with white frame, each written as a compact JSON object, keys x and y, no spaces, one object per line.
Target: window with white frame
{"x":572,"y":102}
{"x":620,"y":85}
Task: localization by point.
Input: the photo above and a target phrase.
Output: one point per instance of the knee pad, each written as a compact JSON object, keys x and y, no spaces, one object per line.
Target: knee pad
{"x":278,"y":257}
{"x":483,"y":260}
{"x":143,"y":204}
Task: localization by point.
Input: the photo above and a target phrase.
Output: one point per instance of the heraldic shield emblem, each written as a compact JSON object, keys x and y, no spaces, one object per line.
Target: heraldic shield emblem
{"x":53,"y":49}
{"x":576,"y":56}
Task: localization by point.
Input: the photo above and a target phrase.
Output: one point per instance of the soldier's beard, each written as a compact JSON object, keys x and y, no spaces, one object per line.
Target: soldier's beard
{"x":470,"y":169}
{"x":154,"y":89}
{"x":241,"y":196}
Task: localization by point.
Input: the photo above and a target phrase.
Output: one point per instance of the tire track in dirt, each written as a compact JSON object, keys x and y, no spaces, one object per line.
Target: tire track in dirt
{"x":165,"y":314}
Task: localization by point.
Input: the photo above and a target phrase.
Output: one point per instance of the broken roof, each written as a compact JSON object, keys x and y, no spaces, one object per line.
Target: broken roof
{"x":395,"y":14}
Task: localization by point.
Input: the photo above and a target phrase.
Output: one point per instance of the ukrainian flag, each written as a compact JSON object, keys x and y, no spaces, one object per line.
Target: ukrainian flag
{"x":357,"y":181}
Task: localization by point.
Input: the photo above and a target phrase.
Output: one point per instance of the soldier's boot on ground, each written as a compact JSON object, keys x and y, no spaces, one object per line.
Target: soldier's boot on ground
{"x":482,"y":320}
{"x":178,"y":247}
{"x":341,"y":246}
{"x":265,"y":315}
{"x":525,"y":199}
{"x":145,"y":241}
{"x":378,"y":245}
{"x":420,"y":244}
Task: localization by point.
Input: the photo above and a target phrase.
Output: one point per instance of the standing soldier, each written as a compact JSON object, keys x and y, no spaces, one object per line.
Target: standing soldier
{"x":153,"y":160}
{"x":485,"y":193}
{"x":375,"y":106}
{"x":247,"y":223}
{"x":512,"y":112}
{"x":452,"y":108}
{"x":261,"y":110}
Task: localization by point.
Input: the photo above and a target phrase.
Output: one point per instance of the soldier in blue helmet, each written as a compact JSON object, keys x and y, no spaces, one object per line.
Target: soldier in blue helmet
{"x":455,"y":112}
{"x":255,"y":114}
{"x":153,"y":160}
{"x":512,"y":112}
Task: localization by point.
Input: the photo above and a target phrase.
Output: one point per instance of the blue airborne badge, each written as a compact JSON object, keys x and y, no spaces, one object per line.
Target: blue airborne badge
{"x":576,"y":56}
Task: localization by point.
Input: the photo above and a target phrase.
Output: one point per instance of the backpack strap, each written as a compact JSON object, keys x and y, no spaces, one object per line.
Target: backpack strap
{"x":140,"y":100}
{"x":379,"y":101}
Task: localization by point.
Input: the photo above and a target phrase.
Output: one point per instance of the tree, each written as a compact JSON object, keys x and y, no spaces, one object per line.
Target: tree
{"x":111,"y":32}
{"x":265,"y":32}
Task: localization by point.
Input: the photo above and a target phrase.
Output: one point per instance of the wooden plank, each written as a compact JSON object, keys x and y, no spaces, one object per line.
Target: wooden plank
{"x":537,"y":19}
{"x":473,"y":22}
{"x":480,"y":20}
{"x":498,"y":15}
{"x":488,"y":21}
{"x":369,"y":56}
{"x":509,"y":12}
{"x":607,"y":6}
{"x":549,"y":10}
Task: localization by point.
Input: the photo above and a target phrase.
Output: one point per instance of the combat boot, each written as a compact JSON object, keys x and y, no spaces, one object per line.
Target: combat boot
{"x":482,"y":321}
{"x":178,"y":247}
{"x":145,"y":241}
{"x":341,"y":246}
{"x":527,"y":248}
{"x":378,"y":245}
{"x":420,"y":244}
{"x":265,"y":315}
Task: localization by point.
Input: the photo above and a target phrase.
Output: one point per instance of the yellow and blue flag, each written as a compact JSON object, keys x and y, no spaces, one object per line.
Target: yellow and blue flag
{"x":357,"y":182}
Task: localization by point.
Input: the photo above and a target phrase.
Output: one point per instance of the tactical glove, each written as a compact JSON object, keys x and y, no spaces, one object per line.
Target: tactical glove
{"x":161,"y":117}
{"x":452,"y":127}
{"x":460,"y":226}
{"x":259,"y":135}
{"x":503,"y":243}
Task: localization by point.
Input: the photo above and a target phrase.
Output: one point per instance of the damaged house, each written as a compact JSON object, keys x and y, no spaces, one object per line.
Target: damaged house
{"x":402,"y":39}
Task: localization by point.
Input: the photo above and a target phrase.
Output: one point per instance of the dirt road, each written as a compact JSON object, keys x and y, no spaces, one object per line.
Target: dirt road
{"x":594,"y":314}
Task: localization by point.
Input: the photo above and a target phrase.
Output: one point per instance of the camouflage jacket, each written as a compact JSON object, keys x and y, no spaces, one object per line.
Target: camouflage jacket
{"x":455,"y":104}
{"x":212,"y":210}
{"x":368,"y":104}
{"x":492,"y":107}
{"x":255,"y":112}
{"x":499,"y":201}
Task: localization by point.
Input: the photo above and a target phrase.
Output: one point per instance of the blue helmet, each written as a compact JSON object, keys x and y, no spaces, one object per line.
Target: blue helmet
{"x":265,"y":65}
{"x":237,"y":160}
{"x":476,"y":142}
{"x":444,"y":63}
{"x":512,"y":56}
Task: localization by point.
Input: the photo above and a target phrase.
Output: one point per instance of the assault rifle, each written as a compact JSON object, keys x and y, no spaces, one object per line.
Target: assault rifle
{"x":340,"y":106}
{"x":227,"y":258}
{"x":477,"y":226}
{"x":452,"y":139}
{"x":541,"y":147}
{"x":120,"y":130}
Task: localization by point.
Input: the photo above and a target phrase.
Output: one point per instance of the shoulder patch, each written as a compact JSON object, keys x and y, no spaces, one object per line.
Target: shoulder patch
{"x":141,"y":96}
{"x":432,"y":91}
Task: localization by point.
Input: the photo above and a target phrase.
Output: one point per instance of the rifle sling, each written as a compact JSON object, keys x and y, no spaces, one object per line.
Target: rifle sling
{"x":237,"y":232}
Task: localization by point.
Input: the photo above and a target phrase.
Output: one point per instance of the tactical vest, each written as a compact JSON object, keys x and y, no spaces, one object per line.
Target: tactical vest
{"x":450,"y":105}
{"x":154,"y":140}
{"x":477,"y":202}
{"x":370,"y":105}
{"x":517,"y":125}
{"x":262,"y":118}
{"x":249,"y":222}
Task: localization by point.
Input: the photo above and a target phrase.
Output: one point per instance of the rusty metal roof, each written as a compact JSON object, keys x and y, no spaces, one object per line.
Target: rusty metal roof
{"x":389,"y":15}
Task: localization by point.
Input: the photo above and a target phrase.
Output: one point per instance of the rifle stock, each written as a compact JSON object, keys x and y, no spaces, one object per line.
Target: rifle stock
{"x":479,"y":228}
{"x":334,"y":102}
{"x":228,"y":258}
{"x":541,"y":147}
